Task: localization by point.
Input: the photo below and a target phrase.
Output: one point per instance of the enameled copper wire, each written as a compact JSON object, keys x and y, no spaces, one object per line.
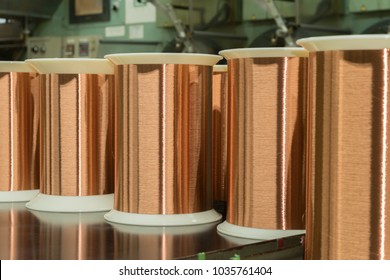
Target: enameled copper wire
{"x":266,"y":140}
{"x":163,"y":138}
{"x":220,"y":87}
{"x":349,"y":185}
{"x":19,"y":130}
{"x":77,"y":137}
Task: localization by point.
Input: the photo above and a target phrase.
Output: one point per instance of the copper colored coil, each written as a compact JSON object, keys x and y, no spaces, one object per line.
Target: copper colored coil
{"x":163,"y":138}
{"x":348,"y":190}
{"x":77,"y":152}
{"x":19,"y":128}
{"x":266,"y":140}
{"x":220,"y":86}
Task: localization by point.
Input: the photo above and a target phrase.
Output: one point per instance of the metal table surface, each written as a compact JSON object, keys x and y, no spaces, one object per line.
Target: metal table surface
{"x":26,"y":234}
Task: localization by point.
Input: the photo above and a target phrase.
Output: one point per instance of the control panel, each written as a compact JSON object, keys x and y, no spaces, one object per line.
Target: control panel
{"x":44,"y":47}
{"x":65,"y":47}
{"x":80,"y":46}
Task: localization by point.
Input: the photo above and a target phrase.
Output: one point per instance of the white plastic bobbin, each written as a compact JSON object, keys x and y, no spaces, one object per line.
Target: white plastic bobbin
{"x":166,"y":58}
{"x":69,"y":219}
{"x":197,"y":218}
{"x":64,"y":203}
{"x":255,"y":233}
{"x":16,"y":66}
{"x":161,"y":230}
{"x":141,"y":219}
{"x":220,"y":68}
{"x":17,"y":196}
{"x":263,"y":52}
{"x":71,"y":65}
{"x":345,"y":42}
{"x":58,"y":203}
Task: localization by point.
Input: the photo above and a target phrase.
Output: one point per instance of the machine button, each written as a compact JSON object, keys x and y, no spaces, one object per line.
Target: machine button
{"x":35,"y":49}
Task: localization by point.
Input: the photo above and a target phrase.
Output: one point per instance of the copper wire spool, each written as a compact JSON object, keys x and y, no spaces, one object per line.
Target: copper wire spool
{"x":163,"y":144}
{"x":266,"y":140}
{"x":77,"y":137}
{"x":348,"y":206}
{"x":19,"y":128}
{"x":220,"y":86}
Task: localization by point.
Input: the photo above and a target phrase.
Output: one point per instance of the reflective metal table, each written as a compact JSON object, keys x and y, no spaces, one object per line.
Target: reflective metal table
{"x":26,"y":234}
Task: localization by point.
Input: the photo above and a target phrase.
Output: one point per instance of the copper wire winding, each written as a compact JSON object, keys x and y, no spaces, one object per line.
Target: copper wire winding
{"x":220,"y":113}
{"x":19,"y":130}
{"x":77,"y":139}
{"x":349,"y":186}
{"x":163,"y":143}
{"x":266,"y":136}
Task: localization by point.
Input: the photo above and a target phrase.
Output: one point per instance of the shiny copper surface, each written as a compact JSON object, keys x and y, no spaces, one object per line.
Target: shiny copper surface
{"x":77,"y":139}
{"x":19,"y":130}
{"x":220,"y":113}
{"x":163,"y":139}
{"x":348,"y":189}
{"x":164,"y":243}
{"x":72,"y":236}
{"x":13,"y":236}
{"x":36,"y":235}
{"x":266,"y":142}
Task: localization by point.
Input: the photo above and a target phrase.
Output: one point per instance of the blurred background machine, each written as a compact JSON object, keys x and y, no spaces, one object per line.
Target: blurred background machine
{"x":94,"y":28}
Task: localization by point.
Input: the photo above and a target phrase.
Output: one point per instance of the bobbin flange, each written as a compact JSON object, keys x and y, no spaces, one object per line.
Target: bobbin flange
{"x":162,"y":230}
{"x":263,"y":52}
{"x":17,"y":196}
{"x":58,"y":203}
{"x":255,"y":233}
{"x":197,"y":218}
{"x":345,"y":42}
{"x":68,"y":218}
{"x":220,"y":68}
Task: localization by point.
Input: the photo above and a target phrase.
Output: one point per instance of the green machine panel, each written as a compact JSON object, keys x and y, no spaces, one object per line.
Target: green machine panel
{"x":360,"y":6}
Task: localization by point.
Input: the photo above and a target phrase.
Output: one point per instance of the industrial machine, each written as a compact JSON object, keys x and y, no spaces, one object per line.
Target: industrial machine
{"x":76,"y":28}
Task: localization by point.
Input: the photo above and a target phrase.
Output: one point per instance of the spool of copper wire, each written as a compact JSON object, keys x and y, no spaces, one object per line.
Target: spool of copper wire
{"x":348,"y":207}
{"x":266,"y":132}
{"x":163,"y":144}
{"x":220,"y":86}
{"x":19,"y":128}
{"x":77,"y":137}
